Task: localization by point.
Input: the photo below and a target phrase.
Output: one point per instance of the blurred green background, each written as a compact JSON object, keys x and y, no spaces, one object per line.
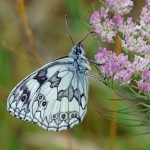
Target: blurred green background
{"x":46,"y":19}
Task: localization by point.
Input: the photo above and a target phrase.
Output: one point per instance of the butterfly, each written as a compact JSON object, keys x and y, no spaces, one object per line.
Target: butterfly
{"x":55,"y":96}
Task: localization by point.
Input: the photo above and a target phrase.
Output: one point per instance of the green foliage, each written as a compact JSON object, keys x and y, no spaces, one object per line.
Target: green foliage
{"x":5,"y":68}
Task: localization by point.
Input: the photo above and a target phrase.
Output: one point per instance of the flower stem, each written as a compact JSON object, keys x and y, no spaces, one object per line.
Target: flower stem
{"x":113,"y":125}
{"x":68,"y":140}
{"x":118,"y":47}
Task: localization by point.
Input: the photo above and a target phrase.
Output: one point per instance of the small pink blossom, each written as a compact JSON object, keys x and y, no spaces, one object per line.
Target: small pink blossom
{"x":95,"y":18}
{"x":138,"y":45}
{"x":148,"y":2}
{"x":118,"y":20}
{"x":113,"y":66}
{"x":139,"y":64}
{"x":146,"y":75}
{"x":123,"y":76}
{"x":145,"y":21}
{"x":121,"y":7}
{"x":104,"y":26}
{"x":144,"y":83}
{"x":129,"y":27}
{"x":104,"y":12}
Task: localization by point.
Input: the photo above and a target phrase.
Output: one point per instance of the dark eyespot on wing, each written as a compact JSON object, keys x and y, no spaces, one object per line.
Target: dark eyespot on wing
{"x":25,"y":95}
{"x":44,"y":103}
{"x":40,"y":97}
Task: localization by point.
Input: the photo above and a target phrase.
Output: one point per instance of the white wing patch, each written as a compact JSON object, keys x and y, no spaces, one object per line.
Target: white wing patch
{"x":53,"y":97}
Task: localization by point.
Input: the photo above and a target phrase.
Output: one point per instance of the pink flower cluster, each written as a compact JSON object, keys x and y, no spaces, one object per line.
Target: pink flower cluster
{"x":133,"y":39}
{"x":145,"y":21}
{"x":139,"y":64}
{"x":133,"y":64}
{"x":121,"y":7}
{"x":136,"y":37}
{"x":114,"y":67}
{"x":105,"y":27}
{"x":144,"y":83}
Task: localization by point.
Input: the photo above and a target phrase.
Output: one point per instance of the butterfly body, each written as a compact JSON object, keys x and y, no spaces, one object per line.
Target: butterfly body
{"x":55,"y":96}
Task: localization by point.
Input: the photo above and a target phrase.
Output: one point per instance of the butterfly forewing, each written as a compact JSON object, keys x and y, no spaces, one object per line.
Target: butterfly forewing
{"x":54,"y":97}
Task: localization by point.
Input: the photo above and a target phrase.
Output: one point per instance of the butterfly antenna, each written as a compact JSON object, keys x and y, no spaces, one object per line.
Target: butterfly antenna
{"x":66,"y":20}
{"x":86,"y":37}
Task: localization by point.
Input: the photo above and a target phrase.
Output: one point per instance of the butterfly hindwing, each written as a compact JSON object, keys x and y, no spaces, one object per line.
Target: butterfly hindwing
{"x":54,"y":97}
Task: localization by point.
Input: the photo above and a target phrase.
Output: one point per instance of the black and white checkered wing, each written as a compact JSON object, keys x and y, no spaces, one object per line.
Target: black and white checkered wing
{"x":54,"y":97}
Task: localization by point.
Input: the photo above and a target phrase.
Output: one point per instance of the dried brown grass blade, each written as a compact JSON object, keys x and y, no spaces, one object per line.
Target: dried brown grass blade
{"x":22,"y":14}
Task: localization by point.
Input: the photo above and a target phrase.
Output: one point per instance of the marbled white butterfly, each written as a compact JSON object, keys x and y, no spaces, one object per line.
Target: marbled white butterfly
{"x":55,"y":96}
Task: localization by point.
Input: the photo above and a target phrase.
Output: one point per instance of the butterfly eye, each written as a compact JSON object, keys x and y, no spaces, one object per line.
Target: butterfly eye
{"x":40,"y":97}
{"x":78,"y":51}
{"x":63,"y":116}
{"x":24,"y":98}
{"x":44,"y":103}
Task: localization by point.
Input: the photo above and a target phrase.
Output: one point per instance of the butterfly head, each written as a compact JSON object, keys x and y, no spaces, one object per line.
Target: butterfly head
{"x":77,"y":51}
